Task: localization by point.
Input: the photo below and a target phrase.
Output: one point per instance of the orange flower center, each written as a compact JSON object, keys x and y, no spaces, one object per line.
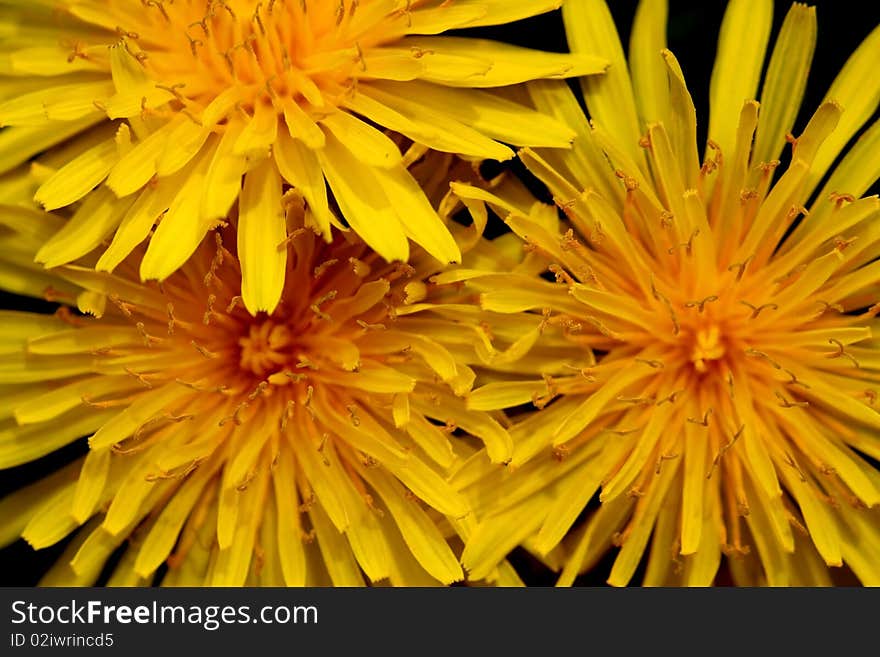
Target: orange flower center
{"x":266,"y":349}
{"x":274,"y":51}
{"x":708,"y":345}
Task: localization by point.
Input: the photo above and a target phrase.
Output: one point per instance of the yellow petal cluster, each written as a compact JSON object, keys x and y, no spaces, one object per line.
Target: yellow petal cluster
{"x":308,"y":446}
{"x":183,"y":111}
{"x":727,"y":308}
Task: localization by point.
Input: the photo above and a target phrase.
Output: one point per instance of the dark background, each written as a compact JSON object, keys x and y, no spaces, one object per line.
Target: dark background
{"x":692,"y":36}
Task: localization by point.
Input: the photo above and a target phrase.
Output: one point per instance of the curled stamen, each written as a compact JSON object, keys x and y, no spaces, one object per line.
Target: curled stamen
{"x":158,"y":4}
{"x":754,"y":353}
{"x":204,"y":352}
{"x":794,"y":380}
{"x":671,"y":397}
{"x":585,"y":372}
{"x":236,"y":300}
{"x":841,"y":352}
{"x":756,"y":310}
{"x":687,"y":246}
{"x":664,"y":457}
{"x":701,"y":304}
{"x":740,"y":268}
{"x":236,"y":415}
{"x":724,"y":449}
{"x":705,"y":421}
{"x":142,"y":378}
{"x":839,"y":199}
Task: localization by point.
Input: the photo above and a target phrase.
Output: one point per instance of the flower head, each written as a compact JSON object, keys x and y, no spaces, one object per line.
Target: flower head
{"x":305,"y":446}
{"x":172,"y":104}
{"x":729,"y":309}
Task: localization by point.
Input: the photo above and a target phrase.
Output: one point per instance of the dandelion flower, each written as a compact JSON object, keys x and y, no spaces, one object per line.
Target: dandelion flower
{"x":306,"y":446}
{"x":180,"y":109}
{"x":731,"y":409}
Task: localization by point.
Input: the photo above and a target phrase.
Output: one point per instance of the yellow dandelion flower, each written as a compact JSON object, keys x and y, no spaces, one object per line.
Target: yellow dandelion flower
{"x":180,"y":109}
{"x":731,"y":407}
{"x":306,"y":446}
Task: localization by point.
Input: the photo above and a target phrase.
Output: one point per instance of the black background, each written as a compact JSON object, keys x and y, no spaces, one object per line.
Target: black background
{"x":692,"y":36}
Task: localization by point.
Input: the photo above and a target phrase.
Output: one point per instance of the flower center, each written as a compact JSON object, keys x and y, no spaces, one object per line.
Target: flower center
{"x":708,"y":346}
{"x":306,"y":52}
{"x":266,"y":349}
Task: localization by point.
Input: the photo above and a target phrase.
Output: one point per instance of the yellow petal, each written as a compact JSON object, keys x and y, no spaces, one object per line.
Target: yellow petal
{"x":92,"y":479}
{"x":181,"y":229}
{"x":485,"y":112}
{"x":139,"y":220}
{"x":424,"y":124}
{"x":299,"y":166}
{"x":419,"y":532}
{"x":364,"y":205}
{"x":223,"y":179}
{"x":785,"y":81}
{"x":261,"y":229}
{"x":367,"y":144}
{"x":857,"y":89}
{"x":647,"y":41}
{"x":100,"y":214}
{"x":609,"y":97}
{"x":420,"y":221}
{"x":290,"y":547}
{"x":259,"y":132}
{"x":468,"y":62}
{"x":738,"y":65}
{"x":20,"y":143}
